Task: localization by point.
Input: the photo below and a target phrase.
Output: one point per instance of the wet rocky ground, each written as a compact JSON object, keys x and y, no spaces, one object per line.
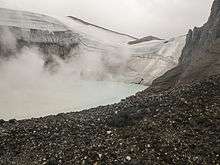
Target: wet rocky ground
{"x":177,"y":126}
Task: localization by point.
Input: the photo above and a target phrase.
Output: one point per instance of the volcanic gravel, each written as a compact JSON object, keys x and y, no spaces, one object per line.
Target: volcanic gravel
{"x":177,"y":126}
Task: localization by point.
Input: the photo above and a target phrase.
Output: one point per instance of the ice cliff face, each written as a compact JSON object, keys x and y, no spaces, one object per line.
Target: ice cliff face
{"x":152,"y":59}
{"x":19,"y":29}
{"x":91,"y":51}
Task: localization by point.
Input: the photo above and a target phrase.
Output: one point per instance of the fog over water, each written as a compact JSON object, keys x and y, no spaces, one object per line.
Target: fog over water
{"x":88,"y":78}
{"x":27,"y":90}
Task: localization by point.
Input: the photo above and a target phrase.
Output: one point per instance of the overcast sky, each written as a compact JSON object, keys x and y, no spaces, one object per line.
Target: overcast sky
{"x":162,"y":18}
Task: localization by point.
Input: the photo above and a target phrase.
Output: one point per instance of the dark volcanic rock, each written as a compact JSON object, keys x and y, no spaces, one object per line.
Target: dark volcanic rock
{"x":201,"y":55}
{"x":144,"y":39}
{"x":177,"y":126}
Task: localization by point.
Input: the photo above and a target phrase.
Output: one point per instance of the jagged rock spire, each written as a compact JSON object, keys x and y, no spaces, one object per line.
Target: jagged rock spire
{"x":201,"y":55}
{"x":215,"y":11}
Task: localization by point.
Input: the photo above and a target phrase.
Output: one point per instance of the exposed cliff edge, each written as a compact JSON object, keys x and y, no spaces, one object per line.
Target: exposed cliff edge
{"x":201,"y":55}
{"x":99,"y":27}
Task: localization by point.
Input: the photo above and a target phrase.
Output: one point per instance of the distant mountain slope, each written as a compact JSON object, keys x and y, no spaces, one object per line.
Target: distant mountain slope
{"x":144,"y":39}
{"x":90,"y":24}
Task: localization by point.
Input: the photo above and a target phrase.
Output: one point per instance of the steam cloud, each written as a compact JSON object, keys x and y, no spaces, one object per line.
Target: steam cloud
{"x":29,"y":89}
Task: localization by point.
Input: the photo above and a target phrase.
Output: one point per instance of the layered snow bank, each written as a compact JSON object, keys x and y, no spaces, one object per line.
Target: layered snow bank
{"x":152,"y":59}
{"x":29,"y":20}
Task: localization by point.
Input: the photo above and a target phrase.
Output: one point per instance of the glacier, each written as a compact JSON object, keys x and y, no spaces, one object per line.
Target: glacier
{"x":138,"y":63}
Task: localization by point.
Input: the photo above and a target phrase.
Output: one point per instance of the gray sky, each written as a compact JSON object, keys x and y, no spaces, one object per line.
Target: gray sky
{"x":162,"y":18}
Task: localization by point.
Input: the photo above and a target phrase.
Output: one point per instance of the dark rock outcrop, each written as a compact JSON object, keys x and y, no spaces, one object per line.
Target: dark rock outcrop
{"x":144,"y":39}
{"x":201,"y":55}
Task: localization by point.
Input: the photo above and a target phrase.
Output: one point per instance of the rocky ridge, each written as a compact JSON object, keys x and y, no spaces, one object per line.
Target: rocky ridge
{"x":200,"y":57}
{"x":144,"y":39}
{"x":99,"y":27}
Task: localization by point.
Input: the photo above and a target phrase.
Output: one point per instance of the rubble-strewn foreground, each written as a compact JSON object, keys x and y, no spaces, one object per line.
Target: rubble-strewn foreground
{"x":179,"y":126}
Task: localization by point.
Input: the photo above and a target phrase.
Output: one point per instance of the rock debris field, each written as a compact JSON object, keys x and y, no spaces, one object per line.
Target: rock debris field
{"x":177,"y":126}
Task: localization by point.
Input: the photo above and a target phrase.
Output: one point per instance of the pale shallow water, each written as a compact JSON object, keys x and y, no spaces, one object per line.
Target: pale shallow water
{"x":25,"y":102}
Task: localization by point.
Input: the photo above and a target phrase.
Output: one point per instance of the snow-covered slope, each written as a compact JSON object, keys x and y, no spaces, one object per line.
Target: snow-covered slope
{"x":102,"y":54}
{"x":29,"y":20}
{"x":118,"y":61}
{"x":90,"y":51}
{"x":152,"y":59}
